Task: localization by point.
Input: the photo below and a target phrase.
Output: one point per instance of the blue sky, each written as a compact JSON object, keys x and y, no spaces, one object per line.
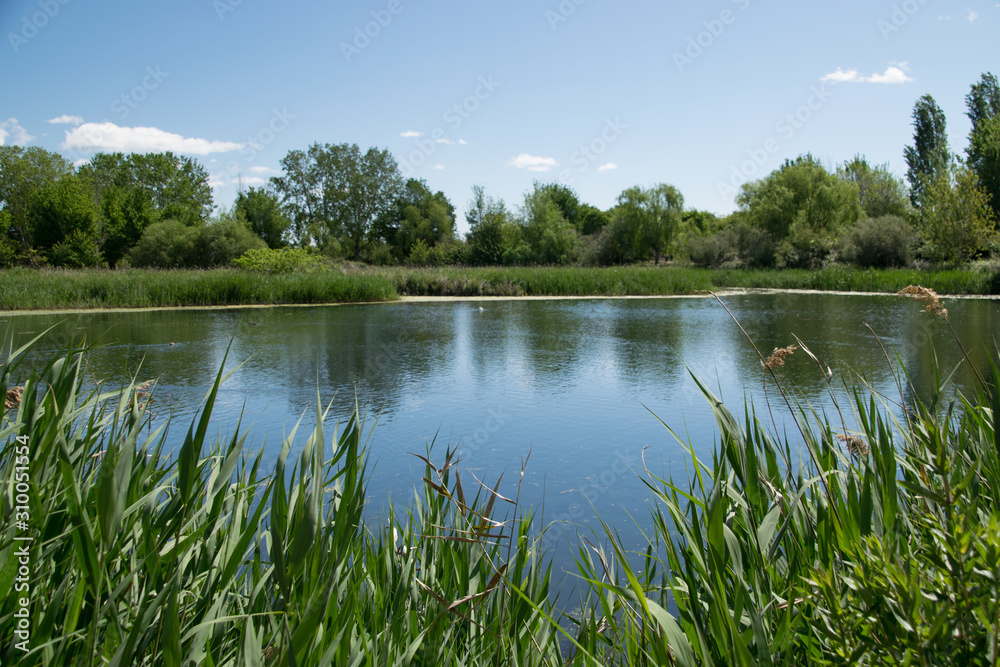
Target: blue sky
{"x":596,"y":94}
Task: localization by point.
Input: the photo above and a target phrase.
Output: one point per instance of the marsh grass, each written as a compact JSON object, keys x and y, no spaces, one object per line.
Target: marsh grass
{"x":821,"y":545}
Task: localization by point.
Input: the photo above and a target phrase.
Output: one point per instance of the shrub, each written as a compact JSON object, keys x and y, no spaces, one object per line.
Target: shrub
{"x":284,"y":260}
{"x":79,"y":250}
{"x":420,"y":254}
{"x":166,"y":245}
{"x":225,"y":240}
{"x":883,"y":242}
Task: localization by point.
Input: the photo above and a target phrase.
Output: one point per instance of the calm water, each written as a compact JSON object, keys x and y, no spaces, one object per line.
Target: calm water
{"x":573,"y":382}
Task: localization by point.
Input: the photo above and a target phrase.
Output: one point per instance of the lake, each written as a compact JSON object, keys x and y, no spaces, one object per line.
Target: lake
{"x":575,"y":382}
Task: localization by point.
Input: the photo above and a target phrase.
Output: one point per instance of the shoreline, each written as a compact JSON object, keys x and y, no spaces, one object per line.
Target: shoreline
{"x":734,"y":291}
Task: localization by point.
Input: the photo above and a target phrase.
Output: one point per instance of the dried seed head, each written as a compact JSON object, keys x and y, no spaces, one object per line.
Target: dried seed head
{"x":855,"y":445}
{"x":777,"y":358}
{"x":13,"y":398}
{"x":928,"y":297}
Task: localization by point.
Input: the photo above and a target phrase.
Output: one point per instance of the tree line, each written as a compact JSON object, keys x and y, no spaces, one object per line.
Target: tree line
{"x":157,"y":210}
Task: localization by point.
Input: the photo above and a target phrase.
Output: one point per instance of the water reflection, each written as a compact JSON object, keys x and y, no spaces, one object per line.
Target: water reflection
{"x":569,"y":381}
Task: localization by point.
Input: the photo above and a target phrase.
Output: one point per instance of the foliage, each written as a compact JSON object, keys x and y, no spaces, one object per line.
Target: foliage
{"x":956,"y":219}
{"x":800,"y":196}
{"x":879,"y":192}
{"x":984,"y":160}
{"x":417,"y":215}
{"x":126,"y":214}
{"x":336,"y":191}
{"x":738,"y":245}
{"x":76,"y":251}
{"x":24,"y":173}
{"x":62,"y":209}
{"x":224,"y":240}
{"x":881,"y":243}
{"x":281,"y":260}
{"x":549,"y":238}
{"x":260,"y":208}
{"x":929,"y":159}
{"x":176,"y":185}
{"x":167,"y":245}
{"x":489,"y":224}
{"x":647,"y":220}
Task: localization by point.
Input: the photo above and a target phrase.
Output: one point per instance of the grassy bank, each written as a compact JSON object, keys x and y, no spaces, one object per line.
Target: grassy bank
{"x":22,"y":289}
{"x":653,"y":281}
{"x":821,"y":546}
{"x":25,"y":289}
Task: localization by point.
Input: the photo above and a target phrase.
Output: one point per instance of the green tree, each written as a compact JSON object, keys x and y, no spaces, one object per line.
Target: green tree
{"x":260,"y":208}
{"x":983,"y":153}
{"x":488,"y":228}
{"x":23,"y":173}
{"x":125,"y":214}
{"x":929,"y":158}
{"x":648,"y":220}
{"x":592,"y":219}
{"x":167,"y":244}
{"x":177,"y":186}
{"x":224,"y":239}
{"x":879,"y":192}
{"x":544,"y":228}
{"x":418,"y":215}
{"x":64,"y":211}
{"x":336,"y":191}
{"x":800,"y":195}
{"x":956,"y":219}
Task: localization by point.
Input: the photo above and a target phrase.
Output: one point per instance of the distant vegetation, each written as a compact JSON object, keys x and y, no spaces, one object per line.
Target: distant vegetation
{"x":156,"y":211}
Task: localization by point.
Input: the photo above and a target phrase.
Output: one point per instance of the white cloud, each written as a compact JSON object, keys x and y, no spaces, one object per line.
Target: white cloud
{"x":411,"y":134}
{"x":263,"y":170}
{"x":532,"y":162}
{"x":945,"y":18}
{"x":972,"y":17}
{"x":66,"y":120}
{"x":445,"y":141}
{"x":111,"y":137}
{"x":611,"y":166}
{"x":462,"y":142}
{"x":891,"y":75}
{"x":10,"y":128}
{"x":840,"y":76}
{"x":439,"y":167}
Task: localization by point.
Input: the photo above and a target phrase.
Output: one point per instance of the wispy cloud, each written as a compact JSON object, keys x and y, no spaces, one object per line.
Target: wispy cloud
{"x":891,"y":75}
{"x":533,"y":162}
{"x":439,"y":167}
{"x":11,"y":129}
{"x":447,"y":141}
{"x":258,"y":169}
{"x":611,"y":166}
{"x":66,"y":120}
{"x":219,"y":180}
{"x":411,"y":134}
{"x":111,"y":137}
{"x":972,"y":17}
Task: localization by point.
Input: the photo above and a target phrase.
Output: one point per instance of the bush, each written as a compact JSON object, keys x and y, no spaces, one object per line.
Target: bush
{"x":420,"y":254}
{"x":284,"y":260}
{"x":79,"y":250}
{"x":225,"y":240}
{"x":884,"y":242}
{"x":740,"y":245}
{"x":805,"y":247}
{"x":167,"y":245}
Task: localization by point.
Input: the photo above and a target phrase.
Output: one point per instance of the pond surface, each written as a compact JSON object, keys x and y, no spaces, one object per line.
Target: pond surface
{"x":574,"y":382}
